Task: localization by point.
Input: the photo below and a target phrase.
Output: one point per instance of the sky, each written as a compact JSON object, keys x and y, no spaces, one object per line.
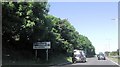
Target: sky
{"x":83,"y":0}
{"x":96,"y":20}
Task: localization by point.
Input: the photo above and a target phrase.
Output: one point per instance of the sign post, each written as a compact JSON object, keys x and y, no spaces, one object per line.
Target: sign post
{"x":47,"y":54}
{"x":36,"y":54}
{"x":42,"y":45}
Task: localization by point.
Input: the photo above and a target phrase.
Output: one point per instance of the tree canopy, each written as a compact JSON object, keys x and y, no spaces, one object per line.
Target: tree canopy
{"x":27,"y":22}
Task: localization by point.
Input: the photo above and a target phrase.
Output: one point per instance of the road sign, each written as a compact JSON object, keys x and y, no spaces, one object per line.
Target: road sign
{"x":42,"y":45}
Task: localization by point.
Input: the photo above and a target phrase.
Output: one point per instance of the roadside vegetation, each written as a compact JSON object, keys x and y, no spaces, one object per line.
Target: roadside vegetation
{"x":115,"y":59}
{"x":24,"y":23}
{"x":114,"y":55}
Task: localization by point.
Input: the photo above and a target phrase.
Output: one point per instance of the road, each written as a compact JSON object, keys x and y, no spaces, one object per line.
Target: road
{"x":93,"y":62}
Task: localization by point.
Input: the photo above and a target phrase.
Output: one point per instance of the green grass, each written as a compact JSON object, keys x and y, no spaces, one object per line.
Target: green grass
{"x":114,"y":59}
{"x":26,"y":58}
{"x":54,"y":60}
{"x":69,"y":59}
{"x":59,"y":59}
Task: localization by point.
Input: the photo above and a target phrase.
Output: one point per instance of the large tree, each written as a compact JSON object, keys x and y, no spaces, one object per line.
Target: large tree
{"x":25,"y":23}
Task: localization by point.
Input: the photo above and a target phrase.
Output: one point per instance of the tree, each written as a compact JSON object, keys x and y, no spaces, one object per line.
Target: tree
{"x":25,"y":23}
{"x":22,"y":25}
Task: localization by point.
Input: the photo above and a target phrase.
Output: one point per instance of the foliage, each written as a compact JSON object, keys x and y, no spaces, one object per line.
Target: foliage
{"x":113,"y":53}
{"x":27,"y":22}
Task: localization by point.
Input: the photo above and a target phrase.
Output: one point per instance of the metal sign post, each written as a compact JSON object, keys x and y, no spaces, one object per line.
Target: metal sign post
{"x":47,"y":54}
{"x":36,"y":54}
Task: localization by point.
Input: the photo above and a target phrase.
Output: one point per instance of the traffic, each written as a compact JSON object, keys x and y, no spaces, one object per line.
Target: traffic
{"x":80,"y":56}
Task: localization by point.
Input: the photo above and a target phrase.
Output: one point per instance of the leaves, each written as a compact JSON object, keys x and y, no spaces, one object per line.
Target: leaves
{"x":29,"y":22}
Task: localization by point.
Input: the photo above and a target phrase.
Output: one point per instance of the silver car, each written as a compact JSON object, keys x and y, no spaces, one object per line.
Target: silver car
{"x":101,"y":56}
{"x":79,"y":56}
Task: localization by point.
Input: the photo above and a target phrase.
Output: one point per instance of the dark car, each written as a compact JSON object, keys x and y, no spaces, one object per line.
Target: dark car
{"x":101,"y":56}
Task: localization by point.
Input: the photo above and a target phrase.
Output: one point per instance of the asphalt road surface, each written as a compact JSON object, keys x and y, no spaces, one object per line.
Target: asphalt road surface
{"x":93,"y":62}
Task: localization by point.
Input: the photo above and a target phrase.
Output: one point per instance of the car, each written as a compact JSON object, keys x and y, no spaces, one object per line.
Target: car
{"x":101,"y":56}
{"x":79,"y":56}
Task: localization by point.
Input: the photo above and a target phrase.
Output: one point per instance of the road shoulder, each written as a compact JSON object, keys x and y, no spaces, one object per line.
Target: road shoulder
{"x":115,"y":62}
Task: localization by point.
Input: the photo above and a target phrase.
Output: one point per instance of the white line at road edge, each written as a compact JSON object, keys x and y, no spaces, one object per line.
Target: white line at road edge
{"x":113,"y":62}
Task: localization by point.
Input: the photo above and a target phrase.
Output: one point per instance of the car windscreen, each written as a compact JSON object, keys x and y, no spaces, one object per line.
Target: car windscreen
{"x":101,"y":54}
{"x":77,"y":55}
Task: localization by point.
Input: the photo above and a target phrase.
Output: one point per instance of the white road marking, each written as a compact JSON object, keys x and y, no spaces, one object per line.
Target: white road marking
{"x":113,"y":62}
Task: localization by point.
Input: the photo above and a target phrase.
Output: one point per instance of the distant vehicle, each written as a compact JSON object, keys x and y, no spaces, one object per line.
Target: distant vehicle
{"x":101,"y":56}
{"x":79,"y":56}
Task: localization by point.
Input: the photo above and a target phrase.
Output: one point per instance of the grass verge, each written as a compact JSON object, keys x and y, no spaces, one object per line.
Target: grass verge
{"x":54,"y":60}
{"x":114,"y":59}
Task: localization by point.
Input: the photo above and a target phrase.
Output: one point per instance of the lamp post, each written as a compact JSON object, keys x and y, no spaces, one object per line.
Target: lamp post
{"x":116,"y":20}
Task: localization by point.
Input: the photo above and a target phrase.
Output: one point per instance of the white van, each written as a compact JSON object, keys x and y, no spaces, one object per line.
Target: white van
{"x":79,"y":55}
